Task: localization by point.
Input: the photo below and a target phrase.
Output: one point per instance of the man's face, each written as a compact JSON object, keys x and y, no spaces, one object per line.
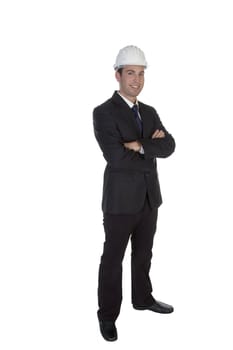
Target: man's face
{"x":131,"y":81}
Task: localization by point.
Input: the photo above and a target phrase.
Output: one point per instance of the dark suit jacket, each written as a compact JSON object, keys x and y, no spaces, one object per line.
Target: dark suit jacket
{"x":129,"y":175}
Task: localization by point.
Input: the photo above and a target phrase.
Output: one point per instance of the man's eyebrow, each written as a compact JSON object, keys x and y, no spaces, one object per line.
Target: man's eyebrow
{"x":131,"y":70}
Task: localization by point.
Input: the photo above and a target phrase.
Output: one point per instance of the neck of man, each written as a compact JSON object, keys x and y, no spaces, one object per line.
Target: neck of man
{"x":132,"y":99}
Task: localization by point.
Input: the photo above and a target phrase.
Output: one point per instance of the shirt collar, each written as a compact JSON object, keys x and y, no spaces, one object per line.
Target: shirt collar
{"x":129,"y":103}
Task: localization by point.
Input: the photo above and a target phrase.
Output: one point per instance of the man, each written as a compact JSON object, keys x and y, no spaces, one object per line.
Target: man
{"x":131,"y":137}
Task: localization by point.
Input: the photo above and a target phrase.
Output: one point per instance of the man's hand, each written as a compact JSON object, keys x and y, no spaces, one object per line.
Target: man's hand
{"x":134,"y":146}
{"x":158,"y":134}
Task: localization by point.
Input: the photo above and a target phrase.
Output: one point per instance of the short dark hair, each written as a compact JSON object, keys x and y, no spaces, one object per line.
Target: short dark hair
{"x":120,"y":70}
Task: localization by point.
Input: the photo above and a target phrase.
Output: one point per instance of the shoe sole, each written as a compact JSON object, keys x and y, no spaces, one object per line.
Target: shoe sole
{"x":142,"y":308}
{"x":108,"y":339}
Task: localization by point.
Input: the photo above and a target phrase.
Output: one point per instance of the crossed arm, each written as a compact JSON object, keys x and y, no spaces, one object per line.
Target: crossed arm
{"x":136,"y":145}
{"x":161,"y":144}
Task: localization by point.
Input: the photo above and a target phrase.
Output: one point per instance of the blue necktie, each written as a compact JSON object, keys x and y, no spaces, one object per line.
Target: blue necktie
{"x":137,"y":118}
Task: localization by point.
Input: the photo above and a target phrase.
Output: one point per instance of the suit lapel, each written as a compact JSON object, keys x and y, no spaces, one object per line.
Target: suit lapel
{"x":126,"y":112}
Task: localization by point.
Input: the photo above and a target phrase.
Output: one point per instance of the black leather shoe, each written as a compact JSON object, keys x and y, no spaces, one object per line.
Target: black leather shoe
{"x":108,"y":330}
{"x":158,"y":306}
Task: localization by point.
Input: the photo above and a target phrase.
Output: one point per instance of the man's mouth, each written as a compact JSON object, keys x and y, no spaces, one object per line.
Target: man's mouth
{"x":135,"y":86}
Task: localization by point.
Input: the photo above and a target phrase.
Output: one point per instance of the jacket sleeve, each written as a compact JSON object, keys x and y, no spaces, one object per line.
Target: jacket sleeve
{"x":111,"y":144}
{"x":158,"y":147}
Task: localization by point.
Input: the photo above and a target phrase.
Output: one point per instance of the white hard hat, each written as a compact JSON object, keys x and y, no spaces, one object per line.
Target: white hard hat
{"x":130,"y":55}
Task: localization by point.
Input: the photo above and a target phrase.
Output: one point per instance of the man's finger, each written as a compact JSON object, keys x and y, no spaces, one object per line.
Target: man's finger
{"x":158,"y":134}
{"x":155,"y":134}
{"x":161,"y":134}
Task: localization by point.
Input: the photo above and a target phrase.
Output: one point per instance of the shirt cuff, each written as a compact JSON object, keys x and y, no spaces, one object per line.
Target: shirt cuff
{"x":141,"y":150}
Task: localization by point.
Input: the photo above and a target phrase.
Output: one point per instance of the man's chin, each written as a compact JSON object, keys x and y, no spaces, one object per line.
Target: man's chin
{"x":135,"y":93}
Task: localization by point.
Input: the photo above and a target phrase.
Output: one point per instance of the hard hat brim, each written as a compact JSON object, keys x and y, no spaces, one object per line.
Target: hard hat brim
{"x":116,"y":67}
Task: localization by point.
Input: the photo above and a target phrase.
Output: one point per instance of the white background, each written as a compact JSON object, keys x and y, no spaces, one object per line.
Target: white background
{"x":56,"y":65}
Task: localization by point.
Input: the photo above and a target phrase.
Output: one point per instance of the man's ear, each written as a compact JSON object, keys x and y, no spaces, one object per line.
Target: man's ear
{"x":118,"y":76}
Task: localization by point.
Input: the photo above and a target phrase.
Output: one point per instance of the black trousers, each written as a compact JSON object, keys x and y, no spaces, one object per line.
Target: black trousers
{"x":140,"y":228}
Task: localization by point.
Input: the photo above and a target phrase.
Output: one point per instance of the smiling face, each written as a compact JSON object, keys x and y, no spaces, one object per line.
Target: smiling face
{"x":131,"y":81}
